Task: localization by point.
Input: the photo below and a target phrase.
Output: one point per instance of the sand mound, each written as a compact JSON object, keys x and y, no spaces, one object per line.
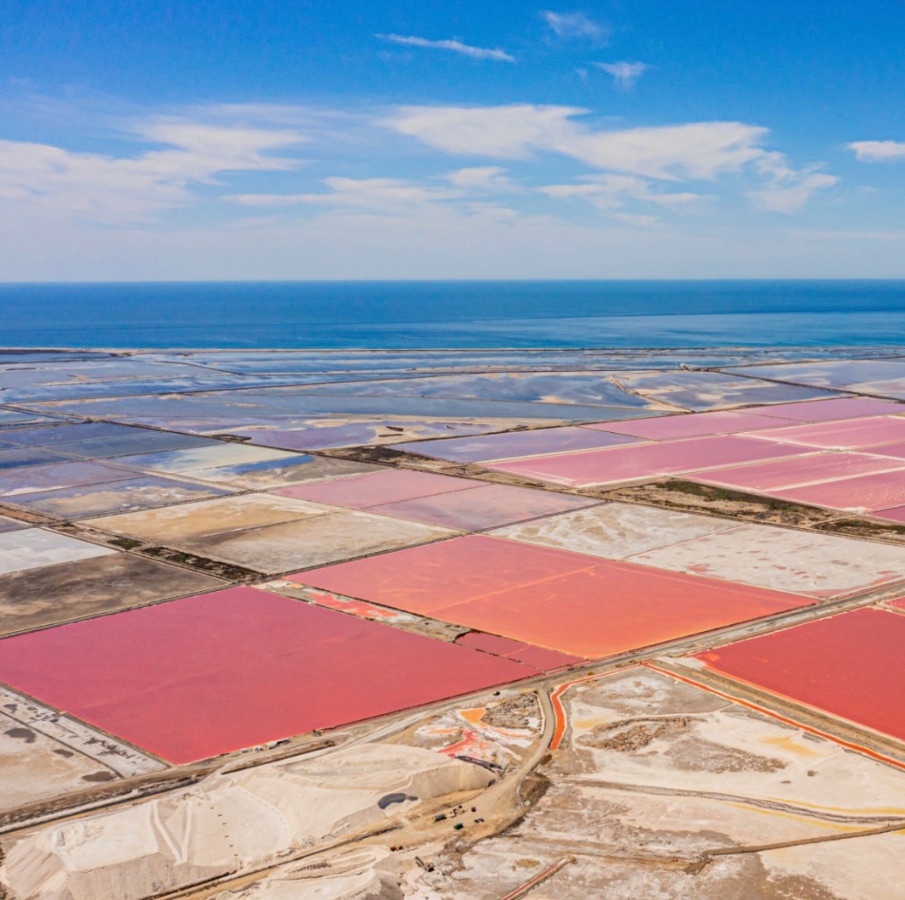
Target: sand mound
{"x":226,"y":823}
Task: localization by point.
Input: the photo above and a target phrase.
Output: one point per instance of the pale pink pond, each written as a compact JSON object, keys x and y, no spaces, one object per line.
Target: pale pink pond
{"x":881,"y":490}
{"x":374,"y":488}
{"x":812,"y":468}
{"x":850,"y":434}
{"x":895,"y":450}
{"x":665,"y":428}
{"x":487,"y":506}
{"x":895,"y":514}
{"x":646,"y":460}
{"x":828,"y":410}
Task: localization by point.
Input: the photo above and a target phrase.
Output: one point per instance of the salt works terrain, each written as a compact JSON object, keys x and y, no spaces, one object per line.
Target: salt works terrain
{"x":465,"y":625}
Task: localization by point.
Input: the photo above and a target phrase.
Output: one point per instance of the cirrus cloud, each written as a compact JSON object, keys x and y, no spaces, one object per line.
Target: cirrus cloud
{"x":454,"y":46}
{"x":575,"y":25}
{"x":625,"y":74}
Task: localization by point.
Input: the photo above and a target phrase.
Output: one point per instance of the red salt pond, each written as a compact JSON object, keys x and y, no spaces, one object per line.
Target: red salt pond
{"x":556,"y":599}
{"x":198,"y":677}
{"x":535,"y":656}
{"x":849,"y":666}
{"x":490,"y":643}
{"x":646,"y":460}
{"x":664,"y":428}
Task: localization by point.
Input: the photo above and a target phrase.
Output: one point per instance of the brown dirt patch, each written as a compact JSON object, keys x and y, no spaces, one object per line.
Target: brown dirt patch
{"x":513,"y":712}
{"x":627,"y":737}
{"x":693,"y":497}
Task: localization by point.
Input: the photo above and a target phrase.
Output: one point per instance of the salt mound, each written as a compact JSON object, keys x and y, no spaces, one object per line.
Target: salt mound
{"x":226,"y":823}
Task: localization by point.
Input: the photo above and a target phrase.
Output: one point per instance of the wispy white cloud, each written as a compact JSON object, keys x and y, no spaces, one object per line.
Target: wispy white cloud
{"x":385,"y":194}
{"x":700,"y":151}
{"x":575,"y":25}
{"x":200,"y":150}
{"x":696,"y":150}
{"x":454,"y":46}
{"x":790,"y":194}
{"x":878,"y":151}
{"x":613,"y":192}
{"x":481,"y":178}
{"x":625,"y":74}
{"x":112,"y":189}
{"x":267,"y":115}
{"x":786,"y":189}
{"x":391,"y":196}
{"x":507,"y":132}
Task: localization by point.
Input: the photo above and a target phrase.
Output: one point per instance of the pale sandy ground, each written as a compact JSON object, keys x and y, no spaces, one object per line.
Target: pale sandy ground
{"x":226,"y":823}
{"x":822,"y":565}
{"x":35,"y":767}
{"x":267,"y":532}
{"x":654,"y":775}
{"x":657,"y":773}
{"x":614,"y":530}
{"x":357,"y":875}
{"x":193,"y":520}
{"x":45,"y":754}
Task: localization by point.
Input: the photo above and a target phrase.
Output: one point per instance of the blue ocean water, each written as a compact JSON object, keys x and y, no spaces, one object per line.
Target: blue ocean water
{"x":425,"y":315}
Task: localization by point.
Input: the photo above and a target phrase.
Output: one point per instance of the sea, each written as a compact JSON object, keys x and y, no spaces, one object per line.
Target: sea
{"x":453,"y":314}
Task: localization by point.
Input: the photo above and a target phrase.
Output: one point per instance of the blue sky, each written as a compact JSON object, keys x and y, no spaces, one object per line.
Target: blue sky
{"x":633,"y":139}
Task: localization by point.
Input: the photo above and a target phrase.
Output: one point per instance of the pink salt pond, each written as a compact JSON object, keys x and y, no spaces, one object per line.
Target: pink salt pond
{"x":894,"y":514}
{"x":208,"y":674}
{"x":666,"y":428}
{"x":797,"y":470}
{"x":850,"y":434}
{"x":376,"y":488}
{"x":574,"y":604}
{"x":488,"y":506}
{"x":880,"y":490}
{"x":647,"y":460}
{"x":828,"y":410}
{"x":896,"y":450}
{"x":516,"y":444}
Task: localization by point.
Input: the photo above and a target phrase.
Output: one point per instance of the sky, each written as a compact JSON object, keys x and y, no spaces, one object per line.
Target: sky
{"x":395,"y":139}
